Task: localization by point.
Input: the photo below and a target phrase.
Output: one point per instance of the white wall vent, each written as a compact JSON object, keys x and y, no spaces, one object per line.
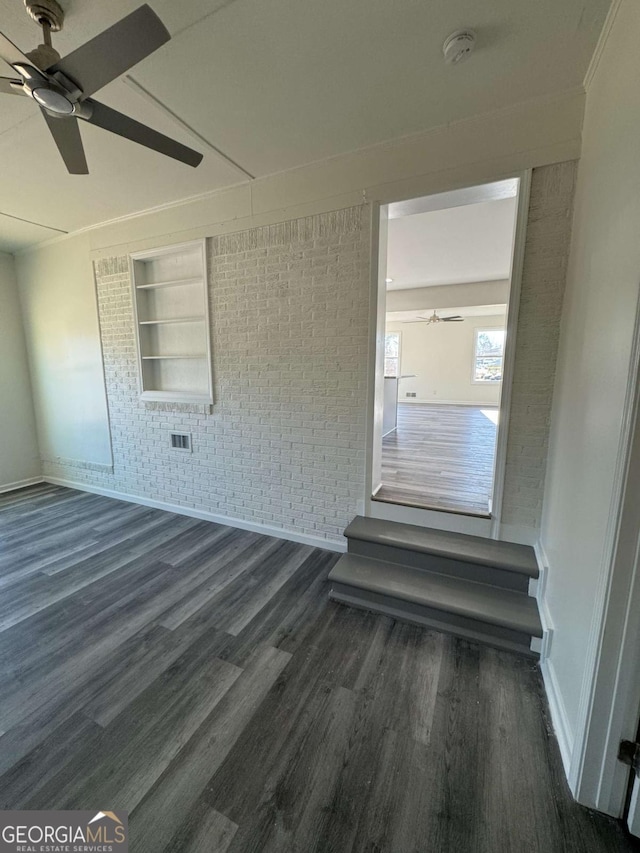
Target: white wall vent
{"x":181,"y":441}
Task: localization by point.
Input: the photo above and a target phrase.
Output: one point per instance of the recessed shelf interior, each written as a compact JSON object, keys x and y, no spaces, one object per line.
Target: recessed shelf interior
{"x":178,"y":282}
{"x":172,"y":323}
{"x":175,"y":320}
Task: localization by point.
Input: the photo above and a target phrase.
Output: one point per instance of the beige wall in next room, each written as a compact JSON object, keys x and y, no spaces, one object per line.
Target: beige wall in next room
{"x":441,"y":357}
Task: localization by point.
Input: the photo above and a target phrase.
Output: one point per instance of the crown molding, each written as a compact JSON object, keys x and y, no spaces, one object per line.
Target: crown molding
{"x":602,"y":41}
{"x":463,"y":125}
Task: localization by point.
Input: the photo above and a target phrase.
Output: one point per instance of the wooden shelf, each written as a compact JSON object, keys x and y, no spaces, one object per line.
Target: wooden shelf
{"x":198,"y":319}
{"x":197,"y":356}
{"x":177,"y":282}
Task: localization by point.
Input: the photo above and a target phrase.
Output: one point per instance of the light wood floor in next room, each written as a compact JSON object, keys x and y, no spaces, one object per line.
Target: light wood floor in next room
{"x":440,"y":457}
{"x":198,"y":677}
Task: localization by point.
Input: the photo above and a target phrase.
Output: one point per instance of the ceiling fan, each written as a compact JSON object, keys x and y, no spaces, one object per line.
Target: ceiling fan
{"x":433,"y":318}
{"x":63,"y":87}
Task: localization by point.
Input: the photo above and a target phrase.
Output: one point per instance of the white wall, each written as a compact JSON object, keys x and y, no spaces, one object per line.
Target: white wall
{"x":57,"y":287}
{"x":19,"y":459}
{"x":441,"y":356}
{"x":593,"y":365}
{"x":449,"y":296}
{"x":284,"y":446}
{"x":544,"y":275}
{"x":61,"y":326}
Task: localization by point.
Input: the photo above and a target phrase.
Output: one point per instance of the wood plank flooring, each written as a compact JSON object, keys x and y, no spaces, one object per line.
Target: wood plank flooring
{"x":439,"y":457}
{"x":198,"y":677}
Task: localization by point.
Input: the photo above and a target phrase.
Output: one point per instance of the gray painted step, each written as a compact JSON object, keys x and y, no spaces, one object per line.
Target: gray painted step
{"x":474,"y":610}
{"x":489,"y":561}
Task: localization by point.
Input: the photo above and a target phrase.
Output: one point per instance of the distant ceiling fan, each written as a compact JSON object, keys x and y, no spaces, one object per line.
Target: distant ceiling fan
{"x":62,"y":87}
{"x":455,"y":318}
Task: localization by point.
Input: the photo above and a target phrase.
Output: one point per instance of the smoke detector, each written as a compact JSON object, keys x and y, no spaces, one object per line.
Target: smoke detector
{"x":459,"y":46}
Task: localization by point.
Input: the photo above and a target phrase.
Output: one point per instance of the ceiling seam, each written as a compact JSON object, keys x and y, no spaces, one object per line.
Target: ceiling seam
{"x":31,"y":222}
{"x":149,"y":96}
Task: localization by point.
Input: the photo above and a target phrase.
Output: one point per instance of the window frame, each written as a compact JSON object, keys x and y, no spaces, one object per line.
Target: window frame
{"x":474,"y":355}
{"x":399,"y":356}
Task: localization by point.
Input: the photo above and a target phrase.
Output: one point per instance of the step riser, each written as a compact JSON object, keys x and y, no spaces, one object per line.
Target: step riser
{"x":434,"y":563}
{"x":405,"y":611}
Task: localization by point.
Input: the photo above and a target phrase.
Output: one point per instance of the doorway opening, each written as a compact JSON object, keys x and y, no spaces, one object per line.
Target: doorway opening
{"x":446,"y":329}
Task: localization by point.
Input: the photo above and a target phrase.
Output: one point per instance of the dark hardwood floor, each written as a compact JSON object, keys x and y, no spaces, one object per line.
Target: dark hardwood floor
{"x":198,"y":677}
{"x":439,"y":457}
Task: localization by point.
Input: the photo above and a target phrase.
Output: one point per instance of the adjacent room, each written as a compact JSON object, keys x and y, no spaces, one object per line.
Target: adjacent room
{"x":448,"y":285}
{"x":319,"y":433}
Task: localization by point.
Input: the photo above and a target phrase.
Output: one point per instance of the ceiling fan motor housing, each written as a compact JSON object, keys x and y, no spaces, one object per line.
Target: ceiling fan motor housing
{"x":46,"y":12}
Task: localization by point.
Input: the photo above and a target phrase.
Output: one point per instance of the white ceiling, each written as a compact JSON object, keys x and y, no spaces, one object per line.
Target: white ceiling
{"x":452,"y":246}
{"x":275,"y":85}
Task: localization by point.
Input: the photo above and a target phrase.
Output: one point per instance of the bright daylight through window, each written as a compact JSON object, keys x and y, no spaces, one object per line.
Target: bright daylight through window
{"x":488,"y":355}
{"x":392,"y":354}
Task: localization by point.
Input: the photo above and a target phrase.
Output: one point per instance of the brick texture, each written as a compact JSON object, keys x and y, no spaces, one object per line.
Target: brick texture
{"x":543,"y":283}
{"x":284,"y":444}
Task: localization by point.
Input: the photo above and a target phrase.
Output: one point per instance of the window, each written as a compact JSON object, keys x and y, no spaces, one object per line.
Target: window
{"x":392,"y":354}
{"x":488,"y":355}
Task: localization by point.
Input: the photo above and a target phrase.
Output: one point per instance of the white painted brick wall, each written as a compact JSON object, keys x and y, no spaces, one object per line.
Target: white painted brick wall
{"x":543,"y":282}
{"x":285,"y":443}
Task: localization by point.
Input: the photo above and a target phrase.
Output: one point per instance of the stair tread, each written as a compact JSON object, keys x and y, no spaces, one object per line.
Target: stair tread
{"x":497,"y":606}
{"x":455,"y":546}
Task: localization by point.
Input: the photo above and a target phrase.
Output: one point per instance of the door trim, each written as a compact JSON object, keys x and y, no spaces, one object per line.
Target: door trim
{"x":517,"y":267}
{"x":489,"y":528}
{"x":610,"y":699}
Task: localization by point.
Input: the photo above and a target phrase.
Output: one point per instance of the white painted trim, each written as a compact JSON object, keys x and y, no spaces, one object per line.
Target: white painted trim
{"x":279,"y":533}
{"x":558,"y":712}
{"x":557,"y":709}
{"x":481,"y":170}
{"x":154,"y":395}
{"x":440,"y":520}
{"x":411,"y":401}
{"x":610,"y":698}
{"x":540,"y":596}
{"x":20,"y":484}
{"x":375,"y":367}
{"x":604,"y":37}
{"x":509,"y":357}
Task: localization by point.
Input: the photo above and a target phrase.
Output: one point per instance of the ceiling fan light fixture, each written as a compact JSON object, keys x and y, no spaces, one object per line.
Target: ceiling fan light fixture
{"x":63,"y":89}
{"x":53,"y":102}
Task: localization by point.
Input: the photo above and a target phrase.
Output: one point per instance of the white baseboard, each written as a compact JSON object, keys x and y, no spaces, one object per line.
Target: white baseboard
{"x":278,"y":532}
{"x":423,"y":402}
{"x":559,"y":717}
{"x":20,"y":484}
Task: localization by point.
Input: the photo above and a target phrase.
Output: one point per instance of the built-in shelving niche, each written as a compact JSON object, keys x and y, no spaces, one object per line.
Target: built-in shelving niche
{"x":171,"y":310}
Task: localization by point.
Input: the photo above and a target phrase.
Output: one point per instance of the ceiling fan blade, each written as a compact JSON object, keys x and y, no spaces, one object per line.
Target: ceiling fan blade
{"x":108,"y":119}
{"x":10,"y":53}
{"x":7,"y":89}
{"x":66,"y":134}
{"x":456,"y":319}
{"x":113,"y":51}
